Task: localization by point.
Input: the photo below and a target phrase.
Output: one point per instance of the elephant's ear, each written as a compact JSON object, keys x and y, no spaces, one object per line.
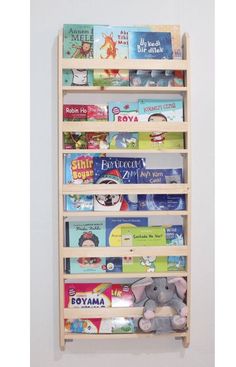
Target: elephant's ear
{"x":138,"y":288}
{"x":180,"y":284}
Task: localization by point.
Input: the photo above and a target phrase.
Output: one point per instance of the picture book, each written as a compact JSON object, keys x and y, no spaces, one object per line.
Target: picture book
{"x":97,"y":112}
{"x":156,"y":176}
{"x":87,"y":295}
{"x":88,"y":326}
{"x":175,"y":237}
{"x":114,"y":265}
{"x":123,"y":111}
{"x":123,"y":140}
{"x":78,"y":43}
{"x":78,"y":202}
{"x":123,"y":325}
{"x":97,"y":140}
{"x":122,"y":295}
{"x":74,"y":140}
{"x":161,"y":111}
{"x":115,"y":225}
{"x":156,"y":78}
{"x":143,"y":236}
{"x":150,"y":45}
{"x":145,"y":264}
{"x":85,"y":234}
{"x":78,"y":168}
{"x":75,"y":112}
{"x":175,"y":37}
{"x":161,"y":202}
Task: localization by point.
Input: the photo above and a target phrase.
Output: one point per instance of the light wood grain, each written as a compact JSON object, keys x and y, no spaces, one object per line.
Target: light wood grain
{"x":73,"y":336}
{"x":125,"y":151}
{"x":138,"y":213}
{"x":129,"y":90}
{"x":125,"y":275}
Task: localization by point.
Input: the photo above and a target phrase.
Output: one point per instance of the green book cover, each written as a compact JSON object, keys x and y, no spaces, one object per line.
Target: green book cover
{"x":143,"y":236}
{"x":145,"y":264}
{"x":160,"y":141}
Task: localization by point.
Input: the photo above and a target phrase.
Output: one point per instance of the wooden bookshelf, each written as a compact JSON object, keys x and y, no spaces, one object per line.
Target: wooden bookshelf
{"x":65,"y":189}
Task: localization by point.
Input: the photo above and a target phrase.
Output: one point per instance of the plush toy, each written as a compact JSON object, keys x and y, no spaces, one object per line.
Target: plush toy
{"x":161,"y":292}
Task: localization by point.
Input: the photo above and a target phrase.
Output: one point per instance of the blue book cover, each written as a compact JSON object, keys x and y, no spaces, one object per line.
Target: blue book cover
{"x":150,"y":45}
{"x":123,"y":140}
{"x":156,"y":176}
{"x":78,"y":168}
{"x":85,"y":234}
{"x":78,"y":202}
{"x":125,"y":167}
{"x":160,"y":110}
{"x":114,"y":225}
{"x":175,"y":237}
{"x":114,"y":265}
{"x":161,"y":202}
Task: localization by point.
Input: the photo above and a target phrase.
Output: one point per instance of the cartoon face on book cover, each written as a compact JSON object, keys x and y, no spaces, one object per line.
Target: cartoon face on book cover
{"x":78,"y":41}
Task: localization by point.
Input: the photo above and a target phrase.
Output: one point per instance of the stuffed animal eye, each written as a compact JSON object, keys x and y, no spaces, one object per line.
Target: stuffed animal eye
{"x":155,"y":288}
{"x":166,"y":287}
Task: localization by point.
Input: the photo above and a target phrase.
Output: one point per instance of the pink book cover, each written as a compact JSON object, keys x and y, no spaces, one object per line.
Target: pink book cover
{"x":82,"y":295}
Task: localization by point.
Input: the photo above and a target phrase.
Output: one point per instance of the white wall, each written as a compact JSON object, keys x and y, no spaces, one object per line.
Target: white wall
{"x":196,"y":18}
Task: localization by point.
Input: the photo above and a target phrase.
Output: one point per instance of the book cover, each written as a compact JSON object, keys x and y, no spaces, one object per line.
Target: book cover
{"x":159,"y":176}
{"x":145,"y":264}
{"x":161,"y":111}
{"x":150,"y":45}
{"x":97,"y":112}
{"x":97,"y":140}
{"x":123,"y":140}
{"x":156,"y":78}
{"x":122,"y":295}
{"x":78,"y":203}
{"x":143,"y":236}
{"x":175,"y":237}
{"x":88,"y":326}
{"x":87,"y":295}
{"x":123,"y":111}
{"x":75,"y":112}
{"x":124,"y":325}
{"x":114,"y":265}
{"x":78,"y":43}
{"x":78,"y":168}
{"x":85,"y":234}
{"x":74,"y":140}
{"x":115,"y":225}
{"x":175,"y":37}
{"x":161,"y":202}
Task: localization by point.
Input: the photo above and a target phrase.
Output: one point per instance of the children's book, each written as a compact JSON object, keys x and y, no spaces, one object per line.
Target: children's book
{"x":123,"y":111}
{"x":156,"y":176}
{"x":75,"y":112}
{"x":143,"y":236}
{"x":85,"y":234}
{"x":74,"y":140}
{"x":123,"y":325}
{"x":78,"y":168}
{"x":112,"y":43}
{"x":161,"y":111}
{"x":175,"y":237}
{"x":145,"y":264}
{"x":114,"y":265}
{"x":78,"y":202}
{"x":175,"y":37}
{"x":115,"y":225}
{"x":78,"y":43}
{"x":97,"y":140}
{"x":88,"y":326}
{"x":97,"y":112}
{"x":87,"y":295}
{"x":123,"y":140}
{"x":150,"y":45}
{"x":122,"y":295}
{"x":156,"y":78}
{"x":161,"y":202}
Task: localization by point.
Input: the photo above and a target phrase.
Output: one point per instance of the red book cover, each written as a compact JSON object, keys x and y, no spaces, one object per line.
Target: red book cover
{"x":75,"y":112}
{"x":97,"y":112}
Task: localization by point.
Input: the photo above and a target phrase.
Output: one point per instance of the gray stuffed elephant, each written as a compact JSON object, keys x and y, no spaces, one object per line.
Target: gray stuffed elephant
{"x":161,"y":292}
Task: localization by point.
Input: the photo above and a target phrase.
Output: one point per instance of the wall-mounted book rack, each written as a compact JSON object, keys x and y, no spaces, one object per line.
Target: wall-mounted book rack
{"x":124,"y":189}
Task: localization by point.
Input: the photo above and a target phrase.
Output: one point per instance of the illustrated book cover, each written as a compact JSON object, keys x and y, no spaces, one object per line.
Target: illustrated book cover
{"x":123,"y":111}
{"x":87,"y":295}
{"x":78,"y":202}
{"x":143,"y":236}
{"x":75,"y":112}
{"x":78,"y":168}
{"x":160,"y":175}
{"x":156,"y":78}
{"x":175,"y":37}
{"x":161,"y":202}
{"x":175,"y":237}
{"x":145,"y":264}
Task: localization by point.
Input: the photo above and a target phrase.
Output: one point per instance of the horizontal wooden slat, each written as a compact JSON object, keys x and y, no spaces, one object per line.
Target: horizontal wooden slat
{"x":122,"y":251}
{"x":139,"y":64}
{"x":125,"y":189}
{"x":74,"y":336}
{"x":93,"y":89}
{"x":125,"y":275}
{"x":138,"y":213}
{"x":109,"y":312}
{"x":84,"y":126}
{"x":125,"y":151}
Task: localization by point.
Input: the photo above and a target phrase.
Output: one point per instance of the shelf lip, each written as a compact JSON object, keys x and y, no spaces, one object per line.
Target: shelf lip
{"x":109,"y":312}
{"x":125,"y":275}
{"x":138,"y":213}
{"x":125,"y":151}
{"x":109,"y":126}
{"x":128,"y":89}
{"x":123,"y":64}
{"x":125,"y":189}
{"x":122,"y":251}
{"x":77,"y":336}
